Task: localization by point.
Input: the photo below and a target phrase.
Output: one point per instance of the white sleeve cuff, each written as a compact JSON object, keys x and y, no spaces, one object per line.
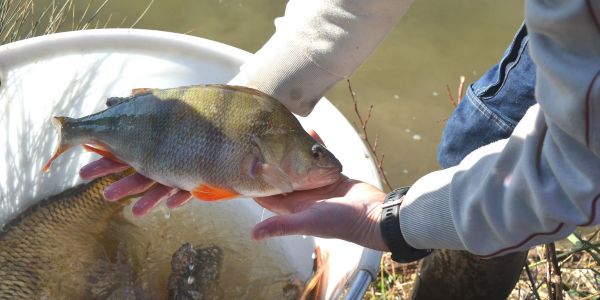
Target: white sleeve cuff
{"x":425,"y":215}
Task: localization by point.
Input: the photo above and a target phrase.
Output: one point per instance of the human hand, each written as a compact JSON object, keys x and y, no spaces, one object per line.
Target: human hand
{"x":134,"y":184}
{"x":347,"y":209}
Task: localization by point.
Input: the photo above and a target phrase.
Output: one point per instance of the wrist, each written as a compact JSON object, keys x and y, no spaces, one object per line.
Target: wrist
{"x":391,"y":232}
{"x":376,"y":237}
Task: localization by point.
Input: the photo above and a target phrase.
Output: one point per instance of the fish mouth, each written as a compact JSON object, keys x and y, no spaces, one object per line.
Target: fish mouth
{"x":332,"y":165}
{"x":331,"y":176}
{"x":320,"y":177}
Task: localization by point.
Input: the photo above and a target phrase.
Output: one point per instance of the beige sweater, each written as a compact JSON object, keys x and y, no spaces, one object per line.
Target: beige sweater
{"x":532,"y":188}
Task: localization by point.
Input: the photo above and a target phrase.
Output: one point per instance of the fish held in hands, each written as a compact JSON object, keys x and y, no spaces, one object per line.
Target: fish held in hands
{"x":216,"y":141}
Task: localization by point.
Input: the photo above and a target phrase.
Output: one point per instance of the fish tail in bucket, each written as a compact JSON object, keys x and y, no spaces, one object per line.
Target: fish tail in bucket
{"x":58,"y":123}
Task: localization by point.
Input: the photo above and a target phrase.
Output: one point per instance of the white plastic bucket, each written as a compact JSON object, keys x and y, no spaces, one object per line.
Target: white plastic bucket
{"x":73,"y":73}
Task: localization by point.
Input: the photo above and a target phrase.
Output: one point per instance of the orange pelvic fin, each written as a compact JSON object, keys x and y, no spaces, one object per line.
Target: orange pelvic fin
{"x":102,"y":151}
{"x":211,"y":193}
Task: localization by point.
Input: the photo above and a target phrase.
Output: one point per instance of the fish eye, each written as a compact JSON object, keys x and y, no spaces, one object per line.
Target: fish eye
{"x":317,"y":151}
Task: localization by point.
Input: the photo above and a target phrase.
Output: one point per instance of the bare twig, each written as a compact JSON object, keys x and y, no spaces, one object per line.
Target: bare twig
{"x":565,"y":255}
{"x":532,"y":282}
{"x":452,"y":101}
{"x":553,"y":276}
{"x":365,"y":136}
{"x":459,"y":93}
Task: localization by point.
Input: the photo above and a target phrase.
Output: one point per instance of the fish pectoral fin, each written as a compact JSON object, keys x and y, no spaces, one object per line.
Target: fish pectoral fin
{"x":275,"y":176}
{"x":210,"y":193}
{"x":99,"y":149}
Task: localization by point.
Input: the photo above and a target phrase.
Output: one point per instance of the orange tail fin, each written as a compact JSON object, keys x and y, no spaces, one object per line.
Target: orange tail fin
{"x":317,"y":284}
{"x":58,"y":123}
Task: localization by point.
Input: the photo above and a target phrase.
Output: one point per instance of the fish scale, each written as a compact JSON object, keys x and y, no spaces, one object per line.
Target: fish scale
{"x":35,"y":245}
{"x":216,"y":141}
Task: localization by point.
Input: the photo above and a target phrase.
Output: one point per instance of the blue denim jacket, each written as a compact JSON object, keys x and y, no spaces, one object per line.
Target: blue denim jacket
{"x":492,"y":106}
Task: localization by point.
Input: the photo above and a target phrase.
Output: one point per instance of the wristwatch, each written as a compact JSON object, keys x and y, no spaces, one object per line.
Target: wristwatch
{"x":402,"y":252}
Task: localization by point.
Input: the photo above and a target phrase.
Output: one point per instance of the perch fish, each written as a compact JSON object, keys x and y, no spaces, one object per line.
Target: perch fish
{"x":216,"y":141}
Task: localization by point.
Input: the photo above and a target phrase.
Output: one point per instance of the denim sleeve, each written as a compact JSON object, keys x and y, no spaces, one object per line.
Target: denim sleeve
{"x":492,"y":106}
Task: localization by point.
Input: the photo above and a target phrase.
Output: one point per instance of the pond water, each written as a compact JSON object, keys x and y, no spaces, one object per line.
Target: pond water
{"x":405,"y":79}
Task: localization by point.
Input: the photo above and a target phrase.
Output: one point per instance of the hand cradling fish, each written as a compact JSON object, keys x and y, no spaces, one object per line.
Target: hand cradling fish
{"x":215,"y":141}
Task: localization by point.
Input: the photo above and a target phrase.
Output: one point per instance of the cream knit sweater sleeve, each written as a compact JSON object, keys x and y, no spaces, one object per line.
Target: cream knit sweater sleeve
{"x":316,"y":44}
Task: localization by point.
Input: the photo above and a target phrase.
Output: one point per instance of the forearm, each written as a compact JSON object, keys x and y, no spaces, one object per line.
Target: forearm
{"x":539,"y":184}
{"x":316,"y":44}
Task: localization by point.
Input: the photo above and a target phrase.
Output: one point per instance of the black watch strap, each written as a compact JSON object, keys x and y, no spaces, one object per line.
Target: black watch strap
{"x":402,"y":252}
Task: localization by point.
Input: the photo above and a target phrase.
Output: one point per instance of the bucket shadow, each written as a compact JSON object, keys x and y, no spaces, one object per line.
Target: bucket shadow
{"x":30,"y":141}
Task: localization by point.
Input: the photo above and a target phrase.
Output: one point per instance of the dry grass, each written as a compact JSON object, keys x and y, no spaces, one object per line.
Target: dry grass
{"x":579,"y":265}
{"x":579,"y":262}
{"x":21,"y":19}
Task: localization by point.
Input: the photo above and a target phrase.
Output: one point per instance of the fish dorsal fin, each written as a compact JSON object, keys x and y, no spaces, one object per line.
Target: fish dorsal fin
{"x":111,"y":101}
{"x":239,"y":88}
{"x":211,"y":193}
{"x":274,"y":176}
